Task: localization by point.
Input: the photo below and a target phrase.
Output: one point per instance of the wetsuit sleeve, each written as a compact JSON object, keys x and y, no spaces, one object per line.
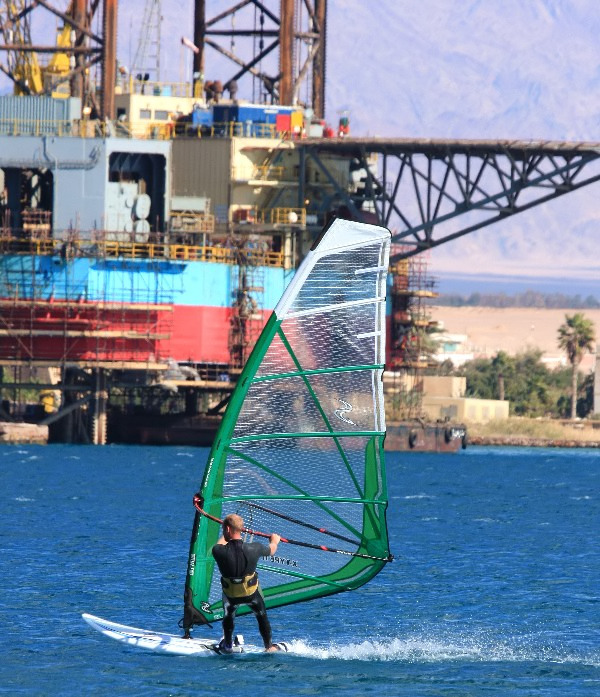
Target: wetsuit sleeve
{"x":254,"y":551}
{"x":261,"y":550}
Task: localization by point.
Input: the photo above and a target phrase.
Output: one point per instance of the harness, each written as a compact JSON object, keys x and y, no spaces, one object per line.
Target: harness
{"x":240,"y":587}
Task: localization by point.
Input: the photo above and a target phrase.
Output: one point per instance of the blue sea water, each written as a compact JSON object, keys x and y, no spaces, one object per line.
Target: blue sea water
{"x":495,"y":589}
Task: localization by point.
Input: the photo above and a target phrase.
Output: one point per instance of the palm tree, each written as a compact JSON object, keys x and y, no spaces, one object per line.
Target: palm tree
{"x":503,"y":366}
{"x":575,"y":336}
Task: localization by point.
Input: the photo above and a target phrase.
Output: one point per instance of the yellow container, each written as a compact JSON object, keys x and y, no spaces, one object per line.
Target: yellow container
{"x":297,"y":120}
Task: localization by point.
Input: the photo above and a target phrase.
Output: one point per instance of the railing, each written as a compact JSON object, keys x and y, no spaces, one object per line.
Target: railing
{"x":148,"y":130}
{"x":78,"y":128}
{"x":268,"y":172}
{"x":227,"y":129}
{"x":139,"y":250}
{"x":283,"y":216}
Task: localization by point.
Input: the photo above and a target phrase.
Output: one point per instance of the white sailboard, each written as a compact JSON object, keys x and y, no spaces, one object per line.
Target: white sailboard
{"x":162,"y":642}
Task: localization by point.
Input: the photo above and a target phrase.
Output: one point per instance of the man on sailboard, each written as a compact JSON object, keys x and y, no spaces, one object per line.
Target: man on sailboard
{"x":237,"y":562}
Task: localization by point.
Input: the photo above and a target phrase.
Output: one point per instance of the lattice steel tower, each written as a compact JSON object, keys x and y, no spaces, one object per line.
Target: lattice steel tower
{"x":90,"y":39}
{"x":147,"y":55}
{"x":297,"y":28}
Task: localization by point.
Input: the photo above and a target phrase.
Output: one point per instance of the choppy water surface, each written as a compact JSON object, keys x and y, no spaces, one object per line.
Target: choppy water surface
{"x":495,"y":588}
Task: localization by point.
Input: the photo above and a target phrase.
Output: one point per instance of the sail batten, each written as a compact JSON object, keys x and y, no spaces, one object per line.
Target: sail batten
{"x":307,"y":497}
{"x":300,"y":448}
{"x":335,"y":306}
{"x":322,"y":371}
{"x":332,"y":435}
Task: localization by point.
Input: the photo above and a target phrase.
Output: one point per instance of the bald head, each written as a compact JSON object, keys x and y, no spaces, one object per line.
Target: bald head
{"x":232,"y":526}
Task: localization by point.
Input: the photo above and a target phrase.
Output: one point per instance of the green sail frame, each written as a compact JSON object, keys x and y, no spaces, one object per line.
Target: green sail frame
{"x":356,"y":567}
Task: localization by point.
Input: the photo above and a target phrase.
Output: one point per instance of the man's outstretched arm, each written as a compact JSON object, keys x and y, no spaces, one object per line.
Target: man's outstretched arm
{"x":273,"y":542}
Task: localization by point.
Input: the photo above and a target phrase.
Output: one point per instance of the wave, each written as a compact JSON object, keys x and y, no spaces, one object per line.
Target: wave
{"x":410,"y":497}
{"x":431,"y":650}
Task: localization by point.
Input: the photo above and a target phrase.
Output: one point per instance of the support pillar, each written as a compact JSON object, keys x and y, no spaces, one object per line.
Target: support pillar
{"x":78,"y":80}
{"x":286,"y":52}
{"x":109,"y":59}
{"x":191,"y":402}
{"x":318,"y":76}
{"x":98,"y":407}
{"x":199,"y":34}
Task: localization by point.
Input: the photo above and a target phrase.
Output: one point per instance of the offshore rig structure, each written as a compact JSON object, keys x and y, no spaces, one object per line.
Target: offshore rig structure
{"x":147,"y":228}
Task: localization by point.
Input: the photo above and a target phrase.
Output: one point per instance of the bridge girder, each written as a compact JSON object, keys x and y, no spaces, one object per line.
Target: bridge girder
{"x":430,"y":192}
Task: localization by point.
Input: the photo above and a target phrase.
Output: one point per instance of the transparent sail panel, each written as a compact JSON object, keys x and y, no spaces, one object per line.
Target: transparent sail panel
{"x":348,"y":276}
{"x":277,"y":359}
{"x":317,"y":403}
{"x":297,"y":467}
{"x":345,"y":336}
{"x":341,"y":337}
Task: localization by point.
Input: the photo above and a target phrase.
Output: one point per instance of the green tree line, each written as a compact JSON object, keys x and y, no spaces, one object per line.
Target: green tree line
{"x":529,"y":298}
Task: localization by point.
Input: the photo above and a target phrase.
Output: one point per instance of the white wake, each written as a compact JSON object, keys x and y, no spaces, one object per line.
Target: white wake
{"x":427,"y":650}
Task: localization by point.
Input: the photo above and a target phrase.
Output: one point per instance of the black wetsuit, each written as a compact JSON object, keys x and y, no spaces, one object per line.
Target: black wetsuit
{"x":235,"y":560}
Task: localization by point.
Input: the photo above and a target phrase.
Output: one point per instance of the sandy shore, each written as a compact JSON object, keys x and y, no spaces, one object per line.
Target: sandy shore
{"x":489,"y":330}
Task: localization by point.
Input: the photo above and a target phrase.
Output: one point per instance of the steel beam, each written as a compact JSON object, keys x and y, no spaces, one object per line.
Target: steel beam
{"x":286,"y":52}
{"x":429,"y":192}
{"x":199,"y":36}
{"x":109,"y":59}
{"x":318,"y":77}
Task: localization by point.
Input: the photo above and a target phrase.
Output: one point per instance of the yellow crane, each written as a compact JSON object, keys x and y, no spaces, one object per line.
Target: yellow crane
{"x":56,"y":73}
{"x":23,"y":66}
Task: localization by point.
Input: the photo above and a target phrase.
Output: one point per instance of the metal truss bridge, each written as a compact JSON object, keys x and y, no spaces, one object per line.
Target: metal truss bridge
{"x":433,"y":191}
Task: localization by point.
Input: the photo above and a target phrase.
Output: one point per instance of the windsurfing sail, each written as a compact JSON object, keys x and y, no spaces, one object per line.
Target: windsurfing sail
{"x":300,"y":448}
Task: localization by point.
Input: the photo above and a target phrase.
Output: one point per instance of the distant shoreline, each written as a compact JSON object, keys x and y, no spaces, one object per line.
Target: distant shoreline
{"x":451,"y":283}
{"x":527,"y":442}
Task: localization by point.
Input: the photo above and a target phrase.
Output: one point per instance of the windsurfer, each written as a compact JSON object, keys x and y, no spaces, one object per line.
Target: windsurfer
{"x":237,"y":562}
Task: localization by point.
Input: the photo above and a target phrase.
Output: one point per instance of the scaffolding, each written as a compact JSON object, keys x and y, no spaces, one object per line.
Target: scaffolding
{"x":247,"y":298}
{"x":59,"y":325}
{"x":410,"y":325}
{"x":52,"y":312}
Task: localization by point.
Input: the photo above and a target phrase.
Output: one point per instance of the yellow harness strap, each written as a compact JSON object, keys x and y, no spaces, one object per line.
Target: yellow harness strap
{"x":240,"y":587}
